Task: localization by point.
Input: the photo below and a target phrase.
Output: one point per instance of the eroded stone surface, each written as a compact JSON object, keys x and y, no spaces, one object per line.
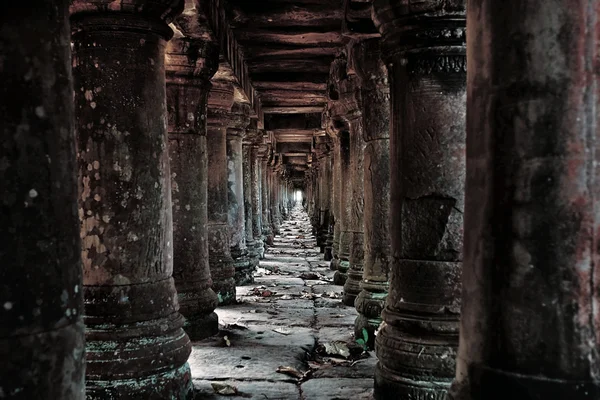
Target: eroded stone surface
{"x":282,"y":320}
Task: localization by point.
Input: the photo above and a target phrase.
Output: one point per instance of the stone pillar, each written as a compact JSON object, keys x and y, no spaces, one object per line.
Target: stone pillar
{"x":41,"y":306}
{"x":266,"y":199}
{"x":336,"y":201}
{"x":355,"y":224}
{"x":256,"y":198}
{"x":274,"y":199}
{"x":251,"y":244}
{"x":190,"y":65}
{"x":235,"y":194}
{"x":222,"y":270}
{"x":133,"y":327}
{"x":530,"y":284}
{"x":324,"y":189}
{"x":376,"y":116}
{"x":425,"y":54}
{"x":345,"y":209}
{"x":330,"y":179}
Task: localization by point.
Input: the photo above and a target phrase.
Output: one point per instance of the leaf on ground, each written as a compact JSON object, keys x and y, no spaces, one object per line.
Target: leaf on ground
{"x":227,"y":342}
{"x":283,"y":331}
{"x":337,"y":348}
{"x":291,"y":371}
{"x":225,"y":390}
{"x":309,"y":276}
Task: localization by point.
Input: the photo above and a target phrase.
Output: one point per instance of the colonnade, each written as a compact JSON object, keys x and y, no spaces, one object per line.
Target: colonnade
{"x":457,"y":207}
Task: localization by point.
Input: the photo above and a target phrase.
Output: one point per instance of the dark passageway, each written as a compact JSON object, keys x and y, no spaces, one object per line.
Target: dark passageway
{"x":286,"y":321}
{"x":299,"y":199}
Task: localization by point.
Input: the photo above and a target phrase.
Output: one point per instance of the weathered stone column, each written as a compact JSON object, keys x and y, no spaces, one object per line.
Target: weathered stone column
{"x":190,"y":65}
{"x":235,"y":197}
{"x":345,"y":209}
{"x":376,"y":116}
{"x":41,"y":329}
{"x":274,"y":198}
{"x":336,"y":200}
{"x":529,"y":324}
{"x":323,"y":153}
{"x":222,"y":270}
{"x":425,"y":53}
{"x":256,"y":197}
{"x":251,"y":244}
{"x":136,"y":347}
{"x":266,"y":198}
{"x":355,"y":230}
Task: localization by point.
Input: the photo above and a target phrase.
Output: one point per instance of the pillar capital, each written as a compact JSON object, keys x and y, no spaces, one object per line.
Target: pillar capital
{"x":191,"y":61}
{"x":136,"y":15}
{"x":416,"y":29}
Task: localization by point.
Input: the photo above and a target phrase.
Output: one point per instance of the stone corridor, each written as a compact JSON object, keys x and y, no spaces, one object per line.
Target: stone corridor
{"x":300,"y":199}
{"x":286,"y":319}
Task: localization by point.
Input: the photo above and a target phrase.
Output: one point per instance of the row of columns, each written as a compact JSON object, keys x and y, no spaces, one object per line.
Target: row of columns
{"x":128,"y":205}
{"x":97,"y":208}
{"x":417,"y":144}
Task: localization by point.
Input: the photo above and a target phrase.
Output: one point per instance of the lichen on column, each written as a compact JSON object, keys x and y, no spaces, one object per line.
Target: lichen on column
{"x":136,"y":346}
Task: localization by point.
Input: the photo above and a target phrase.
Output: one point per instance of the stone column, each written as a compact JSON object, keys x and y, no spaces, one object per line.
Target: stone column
{"x":425,"y":54}
{"x":324,"y":189}
{"x":251,"y":244}
{"x":256,"y":198}
{"x":530,"y":298}
{"x":355,"y":224}
{"x":133,"y":327}
{"x":41,"y":329}
{"x":190,"y":65}
{"x":328,"y":253}
{"x":345,"y":209}
{"x":235,"y":194}
{"x":274,"y":198}
{"x":266,"y":203}
{"x":336,"y":201}
{"x":222,"y":270}
{"x":376,"y":116}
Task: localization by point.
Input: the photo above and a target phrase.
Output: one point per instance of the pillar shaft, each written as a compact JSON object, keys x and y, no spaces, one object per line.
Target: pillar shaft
{"x":424,"y":46}
{"x":131,"y":303}
{"x":356,"y":222}
{"x":529,"y":315}
{"x":188,"y":86}
{"x":41,"y":306}
{"x":266,"y":201}
{"x":336,"y":200}
{"x":376,"y":116}
{"x":274,"y":199}
{"x":256,"y":200}
{"x":251,"y":244}
{"x":345,"y":209}
{"x":235,"y":200}
{"x":221,"y":263}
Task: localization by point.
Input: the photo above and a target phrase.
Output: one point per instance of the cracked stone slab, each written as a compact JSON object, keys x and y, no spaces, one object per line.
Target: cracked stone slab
{"x":343,"y":316}
{"x":338,"y":389}
{"x":255,"y":389}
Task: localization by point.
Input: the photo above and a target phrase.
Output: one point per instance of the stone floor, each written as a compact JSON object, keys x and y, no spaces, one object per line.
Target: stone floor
{"x":289,"y":336}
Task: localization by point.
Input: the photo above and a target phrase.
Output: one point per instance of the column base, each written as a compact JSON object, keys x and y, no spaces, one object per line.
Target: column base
{"x":200,"y":327}
{"x":364,"y":326}
{"x":171,"y":385}
{"x":328,"y":253}
{"x":352,"y":286}
{"x":334,"y":264}
{"x":243,"y":270}
{"x":404,"y":388}
{"x":341,"y":275}
{"x":492,"y":384}
{"x":225,"y":290}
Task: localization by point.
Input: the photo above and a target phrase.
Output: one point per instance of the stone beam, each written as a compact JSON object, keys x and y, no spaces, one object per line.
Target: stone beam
{"x":232,"y":52}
